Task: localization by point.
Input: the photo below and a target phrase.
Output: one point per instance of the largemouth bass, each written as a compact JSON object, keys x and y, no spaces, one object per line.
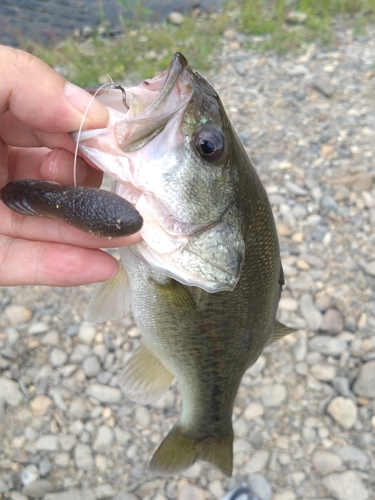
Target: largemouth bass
{"x":204,"y":283}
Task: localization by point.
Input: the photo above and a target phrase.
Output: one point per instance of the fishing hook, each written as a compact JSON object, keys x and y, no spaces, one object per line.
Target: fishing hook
{"x":119,"y":87}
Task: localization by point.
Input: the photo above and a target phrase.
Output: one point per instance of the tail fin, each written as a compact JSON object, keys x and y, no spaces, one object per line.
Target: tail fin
{"x":179,"y":451}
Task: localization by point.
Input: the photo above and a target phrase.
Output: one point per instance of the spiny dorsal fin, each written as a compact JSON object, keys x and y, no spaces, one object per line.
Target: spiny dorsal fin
{"x":109,"y":300}
{"x":279,"y":332}
{"x":145,"y":379}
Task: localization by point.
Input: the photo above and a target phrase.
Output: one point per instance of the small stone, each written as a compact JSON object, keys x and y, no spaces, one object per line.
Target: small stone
{"x":48,"y":442}
{"x":323,"y":371}
{"x":77,"y":408}
{"x":15,"y":495}
{"x":364,"y":384}
{"x":326,"y":462}
{"x":105,"y":393}
{"x":87,"y":333}
{"x":104,"y":491}
{"x":10,"y":392}
{"x":176,"y":18}
{"x":68,"y":442}
{"x":288,"y":304}
{"x":72,"y":495}
{"x":332,"y":321}
{"x":58,"y":357}
{"x":285,"y":495}
{"x":38,"y":489}
{"x":300,"y":348}
{"x":29,"y":475}
{"x":298,"y":70}
{"x":327,"y":204}
{"x":38,"y":328}
{"x":260,"y":486}
{"x":257,"y":461}
{"x":142,"y":416}
{"x":17,"y":314}
{"x":44,"y":467}
{"x":216,"y":488}
{"x":322,"y":82}
{"x":187,"y":491}
{"x":83,"y":457}
{"x":311,"y":314}
{"x":329,"y":346}
{"x":40,"y":405}
{"x":104,"y":439}
{"x":91,"y":366}
{"x":346,"y":486}
{"x":273,"y":395}
{"x":62,"y":459}
{"x":343,"y":411}
{"x":253,"y":410}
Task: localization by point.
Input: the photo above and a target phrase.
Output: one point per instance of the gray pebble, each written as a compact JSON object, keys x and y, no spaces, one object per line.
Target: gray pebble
{"x":77,"y":408}
{"x":328,"y":345}
{"x":322,"y":82}
{"x":273,"y":395}
{"x":44,"y":467}
{"x":84,"y":494}
{"x":323,"y":371}
{"x":260,"y":486}
{"x":83,"y":457}
{"x":104,"y":491}
{"x":258,"y":460}
{"x":346,"y":486}
{"x":370,"y":268}
{"x":105,"y":393}
{"x":104,"y":439}
{"x":311,"y":314}
{"x":344,"y":411}
{"x":87,"y":333}
{"x":300,"y":348}
{"x":67,"y":442}
{"x":353,"y":456}
{"x":58,"y":357}
{"x":327,"y":205}
{"x":38,"y":489}
{"x":326,"y":462}
{"x":48,"y":442}
{"x":341,"y":384}
{"x":332,"y":321}
{"x":9,"y":391}
{"x":29,"y":475}
{"x":91,"y":366}
{"x":364,"y":384}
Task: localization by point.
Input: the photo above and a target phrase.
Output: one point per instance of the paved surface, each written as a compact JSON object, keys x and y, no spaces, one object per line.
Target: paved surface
{"x":52,"y":20}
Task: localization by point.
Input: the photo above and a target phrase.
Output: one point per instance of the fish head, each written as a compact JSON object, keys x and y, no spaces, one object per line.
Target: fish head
{"x":174,"y":155}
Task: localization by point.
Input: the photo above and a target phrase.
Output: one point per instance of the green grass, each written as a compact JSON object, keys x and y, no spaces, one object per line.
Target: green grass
{"x":145,"y":49}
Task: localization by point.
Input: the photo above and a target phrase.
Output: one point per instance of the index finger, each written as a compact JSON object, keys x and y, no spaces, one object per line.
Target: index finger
{"x":40,"y":97}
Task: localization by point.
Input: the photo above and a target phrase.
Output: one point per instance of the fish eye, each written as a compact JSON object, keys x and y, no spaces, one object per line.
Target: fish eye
{"x":210,"y":144}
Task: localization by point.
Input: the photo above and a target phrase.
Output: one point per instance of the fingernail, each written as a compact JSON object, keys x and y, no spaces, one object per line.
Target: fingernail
{"x":81,"y":100}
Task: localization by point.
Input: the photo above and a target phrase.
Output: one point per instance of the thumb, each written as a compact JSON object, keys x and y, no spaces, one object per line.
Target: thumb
{"x":38,"y":96}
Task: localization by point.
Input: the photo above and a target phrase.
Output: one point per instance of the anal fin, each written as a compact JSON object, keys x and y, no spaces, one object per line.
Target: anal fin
{"x":145,"y":379}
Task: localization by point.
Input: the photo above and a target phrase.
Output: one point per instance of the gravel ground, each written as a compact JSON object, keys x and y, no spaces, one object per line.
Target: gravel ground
{"x":304,"y":418}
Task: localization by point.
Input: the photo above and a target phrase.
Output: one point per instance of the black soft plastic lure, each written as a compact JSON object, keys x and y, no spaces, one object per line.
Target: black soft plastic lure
{"x":94,"y":211}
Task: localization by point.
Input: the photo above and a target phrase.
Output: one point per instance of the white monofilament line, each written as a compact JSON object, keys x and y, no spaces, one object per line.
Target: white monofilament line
{"x":110,"y":84}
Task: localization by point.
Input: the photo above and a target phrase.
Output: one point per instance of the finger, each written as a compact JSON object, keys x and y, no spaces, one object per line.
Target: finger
{"x":54,"y":264}
{"x":56,"y":165}
{"x":32,"y":228}
{"x":43,"y":99}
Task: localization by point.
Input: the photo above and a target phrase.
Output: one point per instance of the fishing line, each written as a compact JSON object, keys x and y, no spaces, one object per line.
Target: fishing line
{"x":111,"y":85}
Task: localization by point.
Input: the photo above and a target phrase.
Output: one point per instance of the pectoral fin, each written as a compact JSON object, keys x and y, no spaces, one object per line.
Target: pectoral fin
{"x":279,"y":332}
{"x":110,"y":300}
{"x":145,"y":379}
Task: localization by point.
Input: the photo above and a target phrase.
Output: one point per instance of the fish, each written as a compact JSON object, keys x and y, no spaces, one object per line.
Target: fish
{"x":205,"y":281}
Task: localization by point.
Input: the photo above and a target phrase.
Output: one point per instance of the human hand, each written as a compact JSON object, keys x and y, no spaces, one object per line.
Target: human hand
{"x":38,"y":108}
